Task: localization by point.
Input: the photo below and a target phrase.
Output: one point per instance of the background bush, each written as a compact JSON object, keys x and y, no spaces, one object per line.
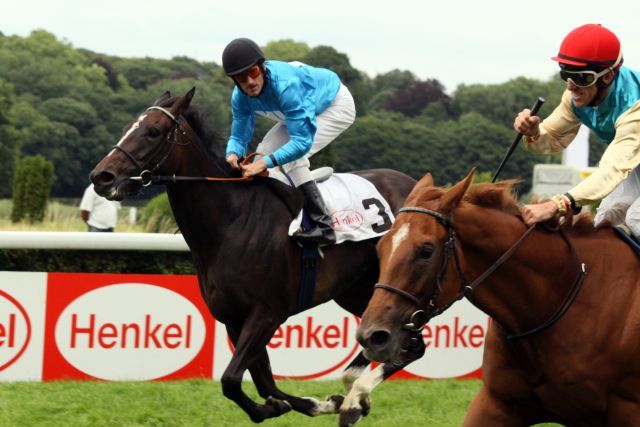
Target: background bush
{"x":157,"y":216}
{"x":31,"y":186}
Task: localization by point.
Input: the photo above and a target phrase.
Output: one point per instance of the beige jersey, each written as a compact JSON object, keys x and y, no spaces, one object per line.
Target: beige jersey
{"x":619,"y":159}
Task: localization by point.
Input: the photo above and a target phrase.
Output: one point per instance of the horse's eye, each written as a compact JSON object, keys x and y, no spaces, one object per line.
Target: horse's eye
{"x":426,"y":251}
{"x":154,"y":132}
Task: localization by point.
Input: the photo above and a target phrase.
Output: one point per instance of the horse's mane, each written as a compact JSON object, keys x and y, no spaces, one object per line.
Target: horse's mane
{"x":212,"y":141}
{"x":500,"y":196}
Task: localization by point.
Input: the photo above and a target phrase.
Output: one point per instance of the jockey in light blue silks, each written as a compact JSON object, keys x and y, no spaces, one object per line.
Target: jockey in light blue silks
{"x":311,"y":106}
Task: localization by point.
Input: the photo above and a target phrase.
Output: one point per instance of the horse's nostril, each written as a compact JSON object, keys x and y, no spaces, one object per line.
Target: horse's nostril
{"x":379,"y":339}
{"x":102,"y":179}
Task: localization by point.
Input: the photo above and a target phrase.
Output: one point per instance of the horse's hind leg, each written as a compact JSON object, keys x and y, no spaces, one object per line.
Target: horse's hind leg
{"x":255,"y":335}
{"x":267,"y":388}
{"x":357,"y":402}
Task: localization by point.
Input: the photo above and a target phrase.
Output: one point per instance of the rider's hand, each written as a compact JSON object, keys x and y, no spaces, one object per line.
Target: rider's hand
{"x":539,"y":212}
{"x":232,"y":159}
{"x":527,"y":124}
{"x":254,"y":168}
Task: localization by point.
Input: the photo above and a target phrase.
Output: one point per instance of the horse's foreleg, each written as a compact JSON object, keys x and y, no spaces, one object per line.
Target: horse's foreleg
{"x":267,"y":388}
{"x":253,"y":337}
{"x":357,"y":402}
{"x":488,"y":411}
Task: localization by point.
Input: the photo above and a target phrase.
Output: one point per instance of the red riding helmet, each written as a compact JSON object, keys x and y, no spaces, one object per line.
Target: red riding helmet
{"x":590,"y":45}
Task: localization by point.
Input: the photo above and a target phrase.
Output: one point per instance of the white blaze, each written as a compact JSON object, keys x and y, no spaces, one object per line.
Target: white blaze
{"x":133,"y":127}
{"x":399,"y":237}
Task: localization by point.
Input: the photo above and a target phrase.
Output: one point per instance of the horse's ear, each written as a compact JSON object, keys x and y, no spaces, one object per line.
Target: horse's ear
{"x":425,"y":181}
{"x":182,"y":103}
{"x":162,"y":98}
{"x":452,"y":197}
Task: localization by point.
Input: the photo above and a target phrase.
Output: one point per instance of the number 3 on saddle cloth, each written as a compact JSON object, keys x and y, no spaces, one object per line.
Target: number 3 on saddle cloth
{"x":358,"y":211}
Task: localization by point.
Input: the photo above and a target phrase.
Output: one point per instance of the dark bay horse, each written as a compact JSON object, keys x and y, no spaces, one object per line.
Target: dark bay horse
{"x":563,"y":346}
{"x":248,"y":267}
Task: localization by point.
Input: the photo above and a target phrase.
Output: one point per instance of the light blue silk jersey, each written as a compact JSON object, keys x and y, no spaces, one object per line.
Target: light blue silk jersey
{"x":294,"y":94}
{"x":624,"y":92}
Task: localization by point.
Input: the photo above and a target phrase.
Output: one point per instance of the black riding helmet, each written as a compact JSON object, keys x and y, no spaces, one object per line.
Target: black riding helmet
{"x":240,"y":55}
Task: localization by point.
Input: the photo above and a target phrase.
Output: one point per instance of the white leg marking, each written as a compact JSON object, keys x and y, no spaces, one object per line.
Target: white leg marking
{"x":361,"y":389}
{"x":349,"y":376}
{"x":399,"y":237}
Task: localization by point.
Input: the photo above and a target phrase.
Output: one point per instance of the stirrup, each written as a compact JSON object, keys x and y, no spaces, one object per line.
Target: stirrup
{"x":316,"y":235}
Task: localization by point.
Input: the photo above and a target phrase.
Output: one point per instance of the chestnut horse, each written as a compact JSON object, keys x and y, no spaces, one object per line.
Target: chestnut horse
{"x":248,"y":267}
{"x":563,"y":347}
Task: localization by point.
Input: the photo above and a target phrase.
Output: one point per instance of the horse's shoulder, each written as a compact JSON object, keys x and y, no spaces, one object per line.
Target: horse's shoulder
{"x":290,"y":197}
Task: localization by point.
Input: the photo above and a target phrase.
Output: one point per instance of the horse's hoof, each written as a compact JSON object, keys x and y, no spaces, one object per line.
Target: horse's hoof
{"x":337,"y":400}
{"x":349,"y":417}
{"x":280,"y":406}
{"x":366,"y":406}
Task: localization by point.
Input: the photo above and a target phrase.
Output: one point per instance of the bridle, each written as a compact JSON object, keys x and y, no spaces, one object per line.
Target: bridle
{"x":420,"y":317}
{"x":146,"y":176}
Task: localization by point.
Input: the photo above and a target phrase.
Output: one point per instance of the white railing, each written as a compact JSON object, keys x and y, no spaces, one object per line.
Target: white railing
{"x":92,"y":241}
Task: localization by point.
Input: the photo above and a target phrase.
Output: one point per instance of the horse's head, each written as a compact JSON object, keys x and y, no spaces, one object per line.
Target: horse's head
{"x":419,"y":270}
{"x":147,"y":147}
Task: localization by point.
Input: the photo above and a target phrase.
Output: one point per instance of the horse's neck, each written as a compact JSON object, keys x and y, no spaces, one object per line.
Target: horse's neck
{"x":531,"y":285}
{"x":201,"y":207}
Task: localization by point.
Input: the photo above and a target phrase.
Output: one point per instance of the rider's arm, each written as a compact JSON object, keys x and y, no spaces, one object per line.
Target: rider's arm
{"x":300,"y":119}
{"x":557,"y":130}
{"x":618,"y":160}
{"x":241,"y":126}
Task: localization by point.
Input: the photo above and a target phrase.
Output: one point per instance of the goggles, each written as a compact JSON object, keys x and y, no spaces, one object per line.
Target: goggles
{"x":582,"y":78}
{"x":586,"y":78}
{"x":252,"y":72}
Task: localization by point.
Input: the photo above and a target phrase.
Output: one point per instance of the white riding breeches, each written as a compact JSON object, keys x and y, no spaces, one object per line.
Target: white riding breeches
{"x":330,"y":123}
{"x":622,"y":205}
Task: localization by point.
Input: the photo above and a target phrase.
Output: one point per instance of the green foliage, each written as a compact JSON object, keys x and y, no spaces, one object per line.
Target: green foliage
{"x":10,"y":140}
{"x":31,"y":186}
{"x":157,"y":215}
{"x":143,"y":262}
{"x":286,"y":50}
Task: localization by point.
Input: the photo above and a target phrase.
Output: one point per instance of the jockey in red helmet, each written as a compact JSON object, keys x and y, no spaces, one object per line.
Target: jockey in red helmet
{"x":311,"y":107}
{"x":603,"y":95}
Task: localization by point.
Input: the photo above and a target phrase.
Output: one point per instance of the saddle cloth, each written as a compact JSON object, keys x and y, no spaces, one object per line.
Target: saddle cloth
{"x":358,"y":210}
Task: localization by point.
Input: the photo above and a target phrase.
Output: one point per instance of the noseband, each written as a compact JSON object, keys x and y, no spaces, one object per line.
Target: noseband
{"x":146,"y":175}
{"x":420,"y":317}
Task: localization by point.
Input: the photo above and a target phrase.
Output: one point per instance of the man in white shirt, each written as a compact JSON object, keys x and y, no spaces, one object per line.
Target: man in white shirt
{"x":100,"y":214}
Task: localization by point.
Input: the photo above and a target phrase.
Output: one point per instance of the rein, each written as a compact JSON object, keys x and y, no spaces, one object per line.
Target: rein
{"x":147,"y":177}
{"x":420,"y":317}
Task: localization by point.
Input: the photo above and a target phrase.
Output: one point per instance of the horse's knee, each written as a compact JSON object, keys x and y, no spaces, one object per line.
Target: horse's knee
{"x":231,"y":386}
{"x":350,"y":375}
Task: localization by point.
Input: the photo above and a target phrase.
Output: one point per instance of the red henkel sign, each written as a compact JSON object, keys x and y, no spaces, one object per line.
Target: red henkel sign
{"x":15,"y":330}
{"x":133,"y":327}
{"x":454,"y":344}
{"x":317,"y":343}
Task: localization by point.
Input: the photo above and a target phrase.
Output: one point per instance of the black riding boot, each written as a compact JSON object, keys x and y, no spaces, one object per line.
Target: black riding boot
{"x":321,"y":232}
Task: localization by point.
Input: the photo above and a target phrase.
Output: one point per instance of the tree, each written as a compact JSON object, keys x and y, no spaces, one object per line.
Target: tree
{"x":10,"y":140}
{"x":413,"y":99}
{"x":286,"y":50}
{"x":31,"y":186}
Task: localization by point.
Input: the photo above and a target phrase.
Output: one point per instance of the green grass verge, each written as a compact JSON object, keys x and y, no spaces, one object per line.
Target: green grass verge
{"x":201,"y":403}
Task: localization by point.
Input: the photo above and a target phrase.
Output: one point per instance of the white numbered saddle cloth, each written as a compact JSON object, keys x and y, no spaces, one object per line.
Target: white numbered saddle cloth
{"x":357,"y":208}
